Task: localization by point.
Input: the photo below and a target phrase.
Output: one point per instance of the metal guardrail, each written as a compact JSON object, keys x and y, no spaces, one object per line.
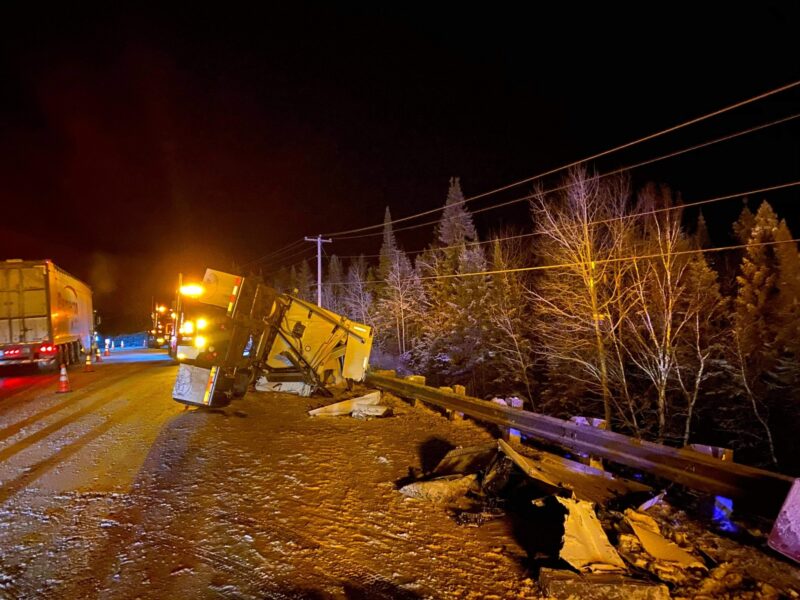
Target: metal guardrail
{"x":754,"y":489}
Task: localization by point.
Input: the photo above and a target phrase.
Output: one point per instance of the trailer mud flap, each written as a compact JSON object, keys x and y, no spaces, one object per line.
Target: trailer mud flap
{"x":195,"y":385}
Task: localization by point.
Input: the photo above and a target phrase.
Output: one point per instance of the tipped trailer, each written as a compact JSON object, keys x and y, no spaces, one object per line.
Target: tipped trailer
{"x":238,"y":331}
{"x":46,"y":315}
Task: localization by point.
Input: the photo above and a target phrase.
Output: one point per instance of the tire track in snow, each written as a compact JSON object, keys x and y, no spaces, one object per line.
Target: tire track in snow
{"x":36,"y":383}
{"x":35,"y":471}
{"x":74,"y":397}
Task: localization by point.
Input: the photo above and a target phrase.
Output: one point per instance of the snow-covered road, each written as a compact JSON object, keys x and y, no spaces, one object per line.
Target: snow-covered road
{"x":115,"y":491}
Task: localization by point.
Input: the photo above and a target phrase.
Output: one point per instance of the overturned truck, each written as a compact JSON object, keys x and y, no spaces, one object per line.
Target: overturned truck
{"x":253,"y":334}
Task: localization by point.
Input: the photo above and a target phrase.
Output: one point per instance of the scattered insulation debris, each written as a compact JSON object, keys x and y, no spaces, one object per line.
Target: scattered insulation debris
{"x":586,"y":546}
{"x":625,"y":548}
{"x":346,"y":407}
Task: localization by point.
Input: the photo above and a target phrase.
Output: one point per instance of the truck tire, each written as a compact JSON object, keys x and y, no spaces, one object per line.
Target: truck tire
{"x":241,"y":382}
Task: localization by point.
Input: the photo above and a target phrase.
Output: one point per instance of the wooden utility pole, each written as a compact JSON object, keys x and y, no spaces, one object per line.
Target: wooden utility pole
{"x":319,"y":241}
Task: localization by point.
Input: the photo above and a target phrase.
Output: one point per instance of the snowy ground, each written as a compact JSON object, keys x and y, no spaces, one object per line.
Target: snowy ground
{"x":116,"y":491}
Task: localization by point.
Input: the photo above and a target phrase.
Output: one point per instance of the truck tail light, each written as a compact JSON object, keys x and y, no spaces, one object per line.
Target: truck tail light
{"x":47,"y":349}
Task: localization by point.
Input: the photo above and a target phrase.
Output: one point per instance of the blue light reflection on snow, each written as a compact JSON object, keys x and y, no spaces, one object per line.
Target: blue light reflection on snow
{"x":137,"y":355}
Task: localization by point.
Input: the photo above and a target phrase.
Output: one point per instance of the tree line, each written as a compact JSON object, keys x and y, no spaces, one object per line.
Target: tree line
{"x":610,"y":306}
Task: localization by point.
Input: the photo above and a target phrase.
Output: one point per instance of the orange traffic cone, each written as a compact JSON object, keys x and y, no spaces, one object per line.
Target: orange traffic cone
{"x":63,"y":381}
{"x":88,"y":368}
{"x":97,"y":356}
{"x":106,"y":352}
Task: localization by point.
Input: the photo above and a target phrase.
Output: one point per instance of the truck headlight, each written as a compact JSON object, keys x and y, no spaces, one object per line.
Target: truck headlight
{"x":200,"y":342}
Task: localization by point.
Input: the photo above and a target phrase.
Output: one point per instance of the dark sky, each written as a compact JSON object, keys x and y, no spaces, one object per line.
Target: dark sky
{"x":134,"y":145}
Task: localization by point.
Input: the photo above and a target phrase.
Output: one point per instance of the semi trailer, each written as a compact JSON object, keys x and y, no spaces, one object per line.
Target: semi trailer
{"x":46,"y":315}
{"x":237,"y":331}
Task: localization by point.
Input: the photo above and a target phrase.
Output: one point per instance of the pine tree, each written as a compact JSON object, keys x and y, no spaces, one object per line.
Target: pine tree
{"x":766,"y":317}
{"x":701,"y":237}
{"x":744,"y":225}
{"x":293,"y":282}
{"x":455,"y":226}
{"x":511,"y":334}
{"x":388,"y":247}
{"x":454,"y":333}
{"x":305,"y":282}
{"x":334,"y":288}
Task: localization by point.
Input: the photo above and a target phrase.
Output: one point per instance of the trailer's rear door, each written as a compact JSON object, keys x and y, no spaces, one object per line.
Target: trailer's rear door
{"x":23,"y":304}
{"x":195,"y":385}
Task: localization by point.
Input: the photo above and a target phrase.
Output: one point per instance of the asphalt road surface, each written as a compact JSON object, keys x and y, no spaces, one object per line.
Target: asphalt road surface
{"x":113,"y":490}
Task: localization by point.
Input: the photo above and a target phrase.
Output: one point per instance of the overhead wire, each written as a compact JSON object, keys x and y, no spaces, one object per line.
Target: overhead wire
{"x":271,"y":255}
{"x":595,"y":156}
{"x":645,"y":213}
{"x":611,"y":260}
{"x":598,"y":176}
{"x":282,"y":264}
{"x":597,"y":261}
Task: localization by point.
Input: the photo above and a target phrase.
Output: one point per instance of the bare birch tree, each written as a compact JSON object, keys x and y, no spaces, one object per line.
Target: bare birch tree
{"x":584,"y":235}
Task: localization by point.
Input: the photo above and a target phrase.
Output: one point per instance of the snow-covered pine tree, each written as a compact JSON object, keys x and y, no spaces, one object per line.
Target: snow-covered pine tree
{"x":766,"y":319}
{"x":512,"y":329}
{"x":388,"y":247}
{"x":305,"y":283}
{"x":332,"y":289}
{"x":701,"y":237}
{"x":454,"y":331}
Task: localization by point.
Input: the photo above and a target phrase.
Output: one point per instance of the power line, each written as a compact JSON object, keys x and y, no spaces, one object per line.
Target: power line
{"x":269,"y":255}
{"x":610,"y":260}
{"x":583,"y":160}
{"x":600,"y":176}
{"x":283,"y":265}
{"x":610,"y":220}
{"x":597,"y":261}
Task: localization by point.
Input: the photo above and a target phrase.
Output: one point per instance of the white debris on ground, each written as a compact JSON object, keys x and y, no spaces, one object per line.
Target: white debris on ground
{"x":118,"y":492}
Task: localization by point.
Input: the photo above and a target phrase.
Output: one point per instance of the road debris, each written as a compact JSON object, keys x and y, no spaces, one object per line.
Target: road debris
{"x":298,"y":388}
{"x":346,"y":407}
{"x":587,"y":483}
{"x":586,"y":546}
{"x":646,"y":529}
{"x":440,"y":491}
{"x":598,"y":586}
{"x":371,"y":412}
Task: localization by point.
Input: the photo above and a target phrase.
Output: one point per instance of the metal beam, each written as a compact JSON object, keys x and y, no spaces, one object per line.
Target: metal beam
{"x":757,"y":490}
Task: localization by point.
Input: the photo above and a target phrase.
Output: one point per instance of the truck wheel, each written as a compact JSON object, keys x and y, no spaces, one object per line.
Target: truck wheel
{"x":241,"y":382}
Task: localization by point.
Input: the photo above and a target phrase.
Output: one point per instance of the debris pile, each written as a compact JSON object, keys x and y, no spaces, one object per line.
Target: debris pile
{"x":363,"y":407}
{"x":593,"y":535}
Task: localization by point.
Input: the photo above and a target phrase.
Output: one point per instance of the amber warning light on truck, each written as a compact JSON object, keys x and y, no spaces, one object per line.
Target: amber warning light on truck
{"x":193,"y":290}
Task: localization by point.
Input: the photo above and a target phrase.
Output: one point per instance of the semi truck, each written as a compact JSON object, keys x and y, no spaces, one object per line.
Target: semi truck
{"x":46,"y":316}
{"x":237,"y":331}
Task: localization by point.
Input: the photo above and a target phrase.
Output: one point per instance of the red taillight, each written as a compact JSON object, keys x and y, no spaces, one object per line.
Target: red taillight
{"x":47,"y":349}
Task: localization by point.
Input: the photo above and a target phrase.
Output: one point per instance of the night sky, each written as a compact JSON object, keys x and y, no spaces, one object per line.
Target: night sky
{"x":137,"y":145}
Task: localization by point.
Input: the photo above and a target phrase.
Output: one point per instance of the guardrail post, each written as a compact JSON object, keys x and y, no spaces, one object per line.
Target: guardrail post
{"x":454,"y":415}
{"x":509,"y":433}
{"x":419,"y":379}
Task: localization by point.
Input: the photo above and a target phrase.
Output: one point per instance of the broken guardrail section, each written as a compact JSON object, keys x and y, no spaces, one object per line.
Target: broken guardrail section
{"x":756,"y":490}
